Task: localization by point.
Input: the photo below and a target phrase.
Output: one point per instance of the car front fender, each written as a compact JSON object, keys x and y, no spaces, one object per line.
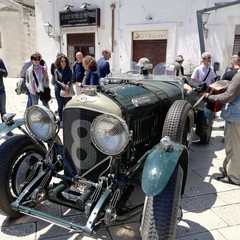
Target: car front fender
{"x":6,"y":128}
{"x":159,"y":167}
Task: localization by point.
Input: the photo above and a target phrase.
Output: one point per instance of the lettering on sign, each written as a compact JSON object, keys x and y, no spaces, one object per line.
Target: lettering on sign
{"x":150,"y":35}
{"x":78,"y":18}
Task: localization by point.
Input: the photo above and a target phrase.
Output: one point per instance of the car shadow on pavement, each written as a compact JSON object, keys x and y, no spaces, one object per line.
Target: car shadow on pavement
{"x":186,"y":227}
{"x":201,"y":189}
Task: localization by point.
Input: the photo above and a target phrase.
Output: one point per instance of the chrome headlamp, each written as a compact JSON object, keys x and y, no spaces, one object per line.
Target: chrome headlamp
{"x":110,"y":134}
{"x":40,"y":122}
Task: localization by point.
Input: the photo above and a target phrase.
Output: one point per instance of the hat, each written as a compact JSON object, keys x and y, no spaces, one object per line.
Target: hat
{"x":179,"y":58}
{"x":59,"y":54}
{"x":144,"y":63}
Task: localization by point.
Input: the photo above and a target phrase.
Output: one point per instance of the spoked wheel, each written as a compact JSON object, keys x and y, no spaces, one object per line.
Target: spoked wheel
{"x":160,"y":213}
{"x":177,"y":124}
{"x":18,"y":156}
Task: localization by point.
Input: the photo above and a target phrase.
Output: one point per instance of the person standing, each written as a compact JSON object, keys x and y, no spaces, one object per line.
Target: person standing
{"x":62,"y":76}
{"x":205,"y":73}
{"x":103,"y":67}
{"x":179,"y":69}
{"x":91,"y":77}
{"x":3,"y":74}
{"x":25,"y":66}
{"x":144,"y":65}
{"x":36,"y":79}
{"x":78,"y":71}
{"x":231,"y":114}
{"x":53,"y":66}
{"x":233,"y":65}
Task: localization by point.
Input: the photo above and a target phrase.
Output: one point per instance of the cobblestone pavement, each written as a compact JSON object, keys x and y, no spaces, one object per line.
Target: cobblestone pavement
{"x":211,"y":208}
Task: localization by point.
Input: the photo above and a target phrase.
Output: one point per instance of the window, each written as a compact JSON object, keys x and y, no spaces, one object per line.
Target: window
{"x":236,"y":44}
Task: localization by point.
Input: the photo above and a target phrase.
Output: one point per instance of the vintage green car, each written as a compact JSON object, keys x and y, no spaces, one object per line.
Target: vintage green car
{"x":128,"y":134}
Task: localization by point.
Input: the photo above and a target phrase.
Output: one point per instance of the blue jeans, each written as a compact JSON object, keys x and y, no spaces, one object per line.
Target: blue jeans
{"x":36,"y":98}
{"x":61,"y":101}
{"x":2,"y":103}
{"x":29,"y":101}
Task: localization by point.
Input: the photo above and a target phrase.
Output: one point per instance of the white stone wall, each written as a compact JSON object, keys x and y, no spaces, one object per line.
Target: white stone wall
{"x":177,"y":17}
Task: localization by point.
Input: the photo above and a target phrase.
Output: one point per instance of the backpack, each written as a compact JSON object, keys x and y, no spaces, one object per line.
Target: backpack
{"x":21,"y":87}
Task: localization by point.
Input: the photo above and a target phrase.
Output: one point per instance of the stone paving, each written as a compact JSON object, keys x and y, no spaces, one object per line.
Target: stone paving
{"x":211,"y":208}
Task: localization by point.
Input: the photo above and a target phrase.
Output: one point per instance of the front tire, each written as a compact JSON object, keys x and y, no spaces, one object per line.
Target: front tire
{"x":178,"y":122}
{"x":17,"y":157}
{"x":160,"y":212}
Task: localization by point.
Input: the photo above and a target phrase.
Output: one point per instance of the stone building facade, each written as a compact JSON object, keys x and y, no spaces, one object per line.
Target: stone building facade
{"x":17,"y":33}
{"x":157,"y":29}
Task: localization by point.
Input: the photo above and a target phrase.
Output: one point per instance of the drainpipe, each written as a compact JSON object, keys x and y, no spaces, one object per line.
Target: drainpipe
{"x":113,"y":6}
{"x":199,"y":19}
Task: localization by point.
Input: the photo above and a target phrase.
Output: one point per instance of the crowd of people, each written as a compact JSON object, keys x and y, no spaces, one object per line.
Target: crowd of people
{"x":64,"y":77}
{"x":230,"y":112}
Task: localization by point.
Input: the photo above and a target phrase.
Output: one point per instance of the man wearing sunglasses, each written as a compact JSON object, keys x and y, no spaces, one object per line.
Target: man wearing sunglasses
{"x":180,"y":69}
{"x":204,"y":73}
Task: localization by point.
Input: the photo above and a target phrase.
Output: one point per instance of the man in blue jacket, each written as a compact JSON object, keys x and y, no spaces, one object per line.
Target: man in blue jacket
{"x":3,"y":73}
{"x":103,"y":67}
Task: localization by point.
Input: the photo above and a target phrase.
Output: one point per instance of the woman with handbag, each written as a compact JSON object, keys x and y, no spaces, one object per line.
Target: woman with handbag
{"x":37,"y":81}
{"x":62,"y":80}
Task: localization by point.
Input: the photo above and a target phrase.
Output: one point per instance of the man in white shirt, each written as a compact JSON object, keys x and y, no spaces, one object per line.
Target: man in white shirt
{"x":205,"y":73}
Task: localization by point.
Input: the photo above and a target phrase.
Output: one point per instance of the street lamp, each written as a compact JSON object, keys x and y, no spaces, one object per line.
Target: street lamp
{"x":85,"y":5}
{"x":48,"y":29}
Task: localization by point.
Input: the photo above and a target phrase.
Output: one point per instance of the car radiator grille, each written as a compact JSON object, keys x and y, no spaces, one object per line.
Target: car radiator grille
{"x":77,"y":141}
{"x":145,"y":128}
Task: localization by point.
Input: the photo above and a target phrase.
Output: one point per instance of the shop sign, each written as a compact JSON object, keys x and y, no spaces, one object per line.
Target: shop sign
{"x":150,"y":35}
{"x":80,"y":18}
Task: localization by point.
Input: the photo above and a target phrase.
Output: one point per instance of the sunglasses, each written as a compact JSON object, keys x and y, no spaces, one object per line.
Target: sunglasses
{"x":36,"y":59}
{"x":207,"y":58}
{"x":63,"y":61}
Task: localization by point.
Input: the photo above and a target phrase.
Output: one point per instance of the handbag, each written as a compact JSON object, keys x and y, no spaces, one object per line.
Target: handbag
{"x":67,"y":93}
{"x":63,"y":92}
{"x":21,"y":87}
{"x":46,"y":95}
